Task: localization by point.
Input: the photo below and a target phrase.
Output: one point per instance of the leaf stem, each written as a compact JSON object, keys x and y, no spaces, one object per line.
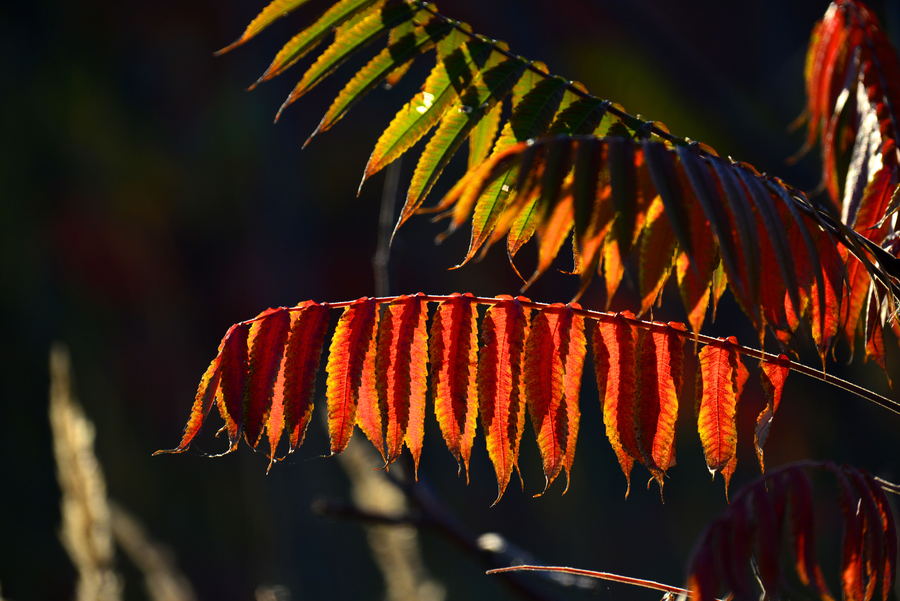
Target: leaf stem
{"x":605,"y":316}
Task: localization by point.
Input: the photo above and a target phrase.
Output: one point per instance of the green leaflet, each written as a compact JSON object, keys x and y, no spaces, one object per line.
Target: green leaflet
{"x":536,"y":100}
{"x":456,"y":66}
{"x":378,"y":68}
{"x":523,"y":227}
{"x":271,"y":13}
{"x":299,"y":45}
{"x":394,"y":36}
{"x":394,"y":13}
{"x":358,"y":16}
{"x":483,"y":136}
{"x":489,"y":88}
{"x":581,"y":116}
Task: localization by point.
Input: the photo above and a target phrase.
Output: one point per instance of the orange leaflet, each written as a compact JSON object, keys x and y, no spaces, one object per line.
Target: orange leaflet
{"x":371,"y":405}
{"x":454,"y":362}
{"x":659,"y":377}
{"x":573,"y":366}
{"x":657,"y":246}
{"x":554,"y":359}
{"x":500,"y":385}
{"x":614,"y":361}
{"x":722,"y":377}
{"x":266,"y":343}
{"x":344,"y":369}
{"x":695,"y":271}
{"x":296,"y":381}
{"x":773,"y":376}
{"x":400,"y":368}
{"x":233,"y":379}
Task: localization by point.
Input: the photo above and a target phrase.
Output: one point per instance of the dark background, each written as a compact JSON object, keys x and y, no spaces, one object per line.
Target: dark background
{"x":148,"y":202}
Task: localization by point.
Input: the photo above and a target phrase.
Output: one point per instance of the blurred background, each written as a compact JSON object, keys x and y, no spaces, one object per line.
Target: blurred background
{"x":148,"y":203}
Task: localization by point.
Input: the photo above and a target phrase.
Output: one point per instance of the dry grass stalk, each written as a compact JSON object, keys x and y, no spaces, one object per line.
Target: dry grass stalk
{"x":86,"y":531}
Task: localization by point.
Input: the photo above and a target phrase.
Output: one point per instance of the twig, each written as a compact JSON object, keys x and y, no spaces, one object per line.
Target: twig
{"x":650,"y":584}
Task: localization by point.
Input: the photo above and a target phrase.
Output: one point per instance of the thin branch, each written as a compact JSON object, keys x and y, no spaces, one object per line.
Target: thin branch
{"x":650,"y":584}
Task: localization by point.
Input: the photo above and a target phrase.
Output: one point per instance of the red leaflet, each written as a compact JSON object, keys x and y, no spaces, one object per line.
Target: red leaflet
{"x":887,"y":526}
{"x":554,"y":359}
{"x":763,"y":508}
{"x":722,"y":377}
{"x":454,"y":362}
{"x":296,"y":383}
{"x":781,"y":503}
{"x":233,"y":380}
{"x":825,"y":324}
{"x":266,"y":343}
{"x":773,"y":377}
{"x":851,"y":555}
{"x":344,"y":368}
{"x":203,"y":400}
{"x":400,"y":366}
{"x":873,"y":543}
{"x":658,"y":384}
{"x":615,"y":369}
{"x":500,"y":385}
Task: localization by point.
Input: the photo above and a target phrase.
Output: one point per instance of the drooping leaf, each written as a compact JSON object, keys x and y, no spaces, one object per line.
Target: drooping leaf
{"x":376,"y":70}
{"x":500,"y":394}
{"x":271,"y":13}
{"x":721,"y":381}
{"x":401,"y":365}
{"x":233,"y":381}
{"x":378,"y":23}
{"x":752,"y":532}
{"x":659,"y":377}
{"x":266,"y":341}
{"x":773,"y":375}
{"x":614,"y":361}
{"x":457,"y":63}
{"x":345,"y":364}
{"x":296,"y":384}
{"x":454,"y":362}
{"x":489,"y":87}
{"x":300,"y":45}
{"x":554,"y":356}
